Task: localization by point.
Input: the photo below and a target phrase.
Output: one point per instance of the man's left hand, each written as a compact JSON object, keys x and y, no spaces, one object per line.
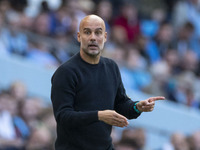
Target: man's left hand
{"x":148,"y":104}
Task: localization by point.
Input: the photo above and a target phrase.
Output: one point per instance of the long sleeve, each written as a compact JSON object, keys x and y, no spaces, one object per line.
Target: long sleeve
{"x":123,"y":104}
{"x":63,"y":95}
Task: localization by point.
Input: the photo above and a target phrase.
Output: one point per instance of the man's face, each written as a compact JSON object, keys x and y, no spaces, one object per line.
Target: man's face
{"x":92,"y":36}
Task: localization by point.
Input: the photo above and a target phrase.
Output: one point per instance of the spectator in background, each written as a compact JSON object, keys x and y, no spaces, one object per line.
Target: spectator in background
{"x":105,"y":11}
{"x":129,"y":20}
{"x":194,"y":140}
{"x":60,"y":21}
{"x":126,"y":144}
{"x":189,"y":61}
{"x":64,"y":28}
{"x":65,"y":20}
{"x":75,"y":10}
{"x":41,"y":24}
{"x":160,"y":72}
{"x":26,"y":23}
{"x":30,"y":111}
{"x":18,"y":91}
{"x":185,"y":40}
{"x":157,"y":47}
{"x":87,"y":6}
{"x":149,"y":27}
{"x":36,"y":132}
{"x":13,"y":130}
{"x":185,"y":11}
{"x":18,"y":94}
{"x":16,"y":41}
{"x":134,"y":74}
{"x":21,"y":128}
{"x":118,"y":55}
{"x":116,"y":47}
{"x":140,"y":138}
{"x":184,"y":92}
{"x":132,"y":138}
{"x":5,"y":7}
{"x":141,"y":46}
{"x":40,"y":139}
{"x":40,"y":53}
{"x":178,"y":142}
{"x":62,"y":50}
{"x":47,"y":119}
{"x":116,"y":135}
{"x":118,"y":38}
{"x":173,"y":60}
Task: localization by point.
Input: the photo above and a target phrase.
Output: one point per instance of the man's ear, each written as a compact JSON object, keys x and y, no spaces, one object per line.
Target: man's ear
{"x":78,"y":37}
{"x":105,"y":36}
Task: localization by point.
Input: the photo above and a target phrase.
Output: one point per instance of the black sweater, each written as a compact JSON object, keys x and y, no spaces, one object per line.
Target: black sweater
{"x":79,"y":91}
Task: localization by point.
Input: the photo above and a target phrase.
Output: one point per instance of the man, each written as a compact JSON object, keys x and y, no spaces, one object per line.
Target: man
{"x":88,"y":96}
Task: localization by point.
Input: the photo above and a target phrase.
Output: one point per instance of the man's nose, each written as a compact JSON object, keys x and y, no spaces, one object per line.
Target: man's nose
{"x":93,"y":37}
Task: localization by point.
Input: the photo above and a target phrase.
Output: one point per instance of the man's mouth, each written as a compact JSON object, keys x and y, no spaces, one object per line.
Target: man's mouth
{"x":92,"y":45}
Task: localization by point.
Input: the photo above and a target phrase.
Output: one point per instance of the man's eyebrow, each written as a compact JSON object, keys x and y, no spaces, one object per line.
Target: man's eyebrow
{"x":90,"y":29}
{"x":86,"y":29}
{"x":99,"y":29}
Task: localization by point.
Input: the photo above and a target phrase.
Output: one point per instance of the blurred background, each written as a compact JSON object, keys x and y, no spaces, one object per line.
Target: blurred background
{"x":156,"y":44}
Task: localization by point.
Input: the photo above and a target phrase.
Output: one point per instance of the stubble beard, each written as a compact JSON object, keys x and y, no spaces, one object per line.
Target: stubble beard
{"x":92,"y":54}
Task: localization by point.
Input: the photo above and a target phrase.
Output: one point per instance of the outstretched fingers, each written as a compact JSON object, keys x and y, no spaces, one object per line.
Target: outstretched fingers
{"x":148,"y":104}
{"x":156,"y":98}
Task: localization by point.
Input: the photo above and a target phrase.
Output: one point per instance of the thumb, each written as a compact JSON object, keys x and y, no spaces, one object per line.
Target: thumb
{"x":150,"y":100}
{"x":142,"y":103}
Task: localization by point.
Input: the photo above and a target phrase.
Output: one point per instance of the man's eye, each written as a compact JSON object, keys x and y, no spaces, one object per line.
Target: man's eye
{"x":98,"y":32}
{"x":87,"y":32}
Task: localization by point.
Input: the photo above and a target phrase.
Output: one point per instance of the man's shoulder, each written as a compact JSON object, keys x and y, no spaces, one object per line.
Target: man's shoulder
{"x":109,"y":61}
{"x":68,"y":66}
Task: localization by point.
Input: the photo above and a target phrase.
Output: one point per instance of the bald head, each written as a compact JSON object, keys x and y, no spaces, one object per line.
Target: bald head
{"x":92,"y":19}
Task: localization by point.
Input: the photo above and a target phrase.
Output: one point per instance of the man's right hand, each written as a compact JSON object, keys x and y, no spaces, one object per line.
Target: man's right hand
{"x":111,"y":117}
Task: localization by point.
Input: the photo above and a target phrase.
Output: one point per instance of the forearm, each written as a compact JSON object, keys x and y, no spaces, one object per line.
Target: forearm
{"x":65,"y":115}
{"x":73,"y":119}
{"x":124,"y":105}
{"x":127,"y":109}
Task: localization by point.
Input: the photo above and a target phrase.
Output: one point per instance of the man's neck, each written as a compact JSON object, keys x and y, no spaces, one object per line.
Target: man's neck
{"x":90,"y":59}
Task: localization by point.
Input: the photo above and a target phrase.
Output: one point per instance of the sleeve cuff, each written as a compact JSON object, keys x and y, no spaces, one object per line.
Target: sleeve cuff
{"x":135,"y":108}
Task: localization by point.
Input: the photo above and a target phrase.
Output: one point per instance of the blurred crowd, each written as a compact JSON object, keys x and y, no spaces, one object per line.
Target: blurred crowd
{"x":135,"y":139}
{"x":27,"y":123}
{"x":156,"y":44}
{"x":157,"y":47}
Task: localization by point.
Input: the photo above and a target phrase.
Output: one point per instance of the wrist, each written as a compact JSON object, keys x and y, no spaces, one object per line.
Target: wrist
{"x":99,"y":115}
{"x":136,"y":108}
